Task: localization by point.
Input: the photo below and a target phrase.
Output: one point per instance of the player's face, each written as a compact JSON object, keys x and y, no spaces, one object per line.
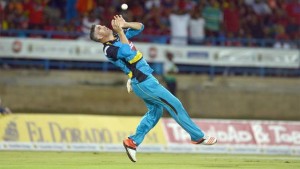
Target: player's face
{"x":102,"y":31}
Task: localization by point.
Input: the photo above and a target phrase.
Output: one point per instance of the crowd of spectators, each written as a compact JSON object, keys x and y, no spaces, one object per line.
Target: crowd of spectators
{"x":209,"y":22}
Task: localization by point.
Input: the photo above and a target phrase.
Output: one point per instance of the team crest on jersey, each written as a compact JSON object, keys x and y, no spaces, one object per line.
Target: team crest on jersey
{"x":132,"y":47}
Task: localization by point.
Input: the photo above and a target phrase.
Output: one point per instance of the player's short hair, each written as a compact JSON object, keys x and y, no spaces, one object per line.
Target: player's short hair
{"x":92,"y":34}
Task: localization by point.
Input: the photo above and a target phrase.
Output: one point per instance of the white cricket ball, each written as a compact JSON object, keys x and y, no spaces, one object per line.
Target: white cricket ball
{"x":124,"y":6}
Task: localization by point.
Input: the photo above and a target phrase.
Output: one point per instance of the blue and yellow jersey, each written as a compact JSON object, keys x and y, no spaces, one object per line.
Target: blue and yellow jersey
{"x":127,"y":57}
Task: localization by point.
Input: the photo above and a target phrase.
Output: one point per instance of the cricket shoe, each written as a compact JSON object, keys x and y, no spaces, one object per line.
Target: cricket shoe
{"x":130,"y":148}
{"x":206,"y":141}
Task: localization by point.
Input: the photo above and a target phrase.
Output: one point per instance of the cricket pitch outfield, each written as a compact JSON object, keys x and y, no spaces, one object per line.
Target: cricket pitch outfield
{"x":80,"y":160}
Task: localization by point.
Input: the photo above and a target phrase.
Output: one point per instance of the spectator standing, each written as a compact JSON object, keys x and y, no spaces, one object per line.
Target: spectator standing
{"x":213,"y":18}
{"x":231,"y":19}
{"x":179,"y":20}
{"x":87,"y":22}
{"x":293,"y":10}
{"x":196,"y":28}
{"x":36,"y":13}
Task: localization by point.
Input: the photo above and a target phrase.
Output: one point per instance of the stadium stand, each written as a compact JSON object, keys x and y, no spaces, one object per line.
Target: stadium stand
{"x":272,"y":23}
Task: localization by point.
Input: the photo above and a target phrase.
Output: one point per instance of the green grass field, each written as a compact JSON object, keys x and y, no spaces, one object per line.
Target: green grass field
{"x":66,"y":160}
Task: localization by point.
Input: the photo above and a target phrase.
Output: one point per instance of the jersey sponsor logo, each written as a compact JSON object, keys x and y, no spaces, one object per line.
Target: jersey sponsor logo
{"x":132,"y":47}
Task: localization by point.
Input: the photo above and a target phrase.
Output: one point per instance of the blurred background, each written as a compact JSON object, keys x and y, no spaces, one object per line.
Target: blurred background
{"x":255,"y":23}
{"x":206,"y":51}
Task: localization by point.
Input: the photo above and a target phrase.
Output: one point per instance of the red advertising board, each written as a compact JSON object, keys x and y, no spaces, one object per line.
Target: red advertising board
{"x":239,"y":132}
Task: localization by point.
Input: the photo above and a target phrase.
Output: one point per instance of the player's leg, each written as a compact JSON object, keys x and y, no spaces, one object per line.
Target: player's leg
{"x":151,"y":89}
{"x":178,"y":112}
{"x":148,"y":121}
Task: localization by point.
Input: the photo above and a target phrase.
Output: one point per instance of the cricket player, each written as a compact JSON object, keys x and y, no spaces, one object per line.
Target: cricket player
{"x":122,"y":53}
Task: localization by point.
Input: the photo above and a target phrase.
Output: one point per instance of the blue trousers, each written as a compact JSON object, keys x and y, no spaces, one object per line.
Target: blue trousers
{"x":156,"y":98}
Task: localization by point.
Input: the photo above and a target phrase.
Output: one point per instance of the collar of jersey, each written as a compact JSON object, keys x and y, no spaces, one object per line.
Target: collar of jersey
{"x":112,"y":41}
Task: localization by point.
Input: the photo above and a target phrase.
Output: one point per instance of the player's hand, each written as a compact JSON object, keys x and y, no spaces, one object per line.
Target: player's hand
{"x":121,"y":20}
{"x":116,"y":26}
{"x":128,"y":85}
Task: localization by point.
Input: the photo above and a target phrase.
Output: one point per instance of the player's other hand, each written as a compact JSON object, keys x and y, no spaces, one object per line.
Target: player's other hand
{"x":121,"y":20}
{"x":116,"y":25}
{"x":128,"y":85}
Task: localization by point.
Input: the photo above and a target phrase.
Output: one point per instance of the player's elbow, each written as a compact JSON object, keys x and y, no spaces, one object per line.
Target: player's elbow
{"x":142,"y":26}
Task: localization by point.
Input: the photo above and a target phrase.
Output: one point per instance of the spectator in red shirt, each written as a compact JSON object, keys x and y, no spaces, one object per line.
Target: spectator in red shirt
{"x":36,"y":13}
{"x":293,"y":10}
{"x":231,"y":19}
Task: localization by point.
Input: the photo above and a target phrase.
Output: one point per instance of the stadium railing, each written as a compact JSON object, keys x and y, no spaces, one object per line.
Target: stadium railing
{"x":163,"y":39}
{"x":47,"y":64}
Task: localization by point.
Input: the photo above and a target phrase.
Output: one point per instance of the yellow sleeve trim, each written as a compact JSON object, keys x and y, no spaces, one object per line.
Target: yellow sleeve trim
{"x":136,"y":58}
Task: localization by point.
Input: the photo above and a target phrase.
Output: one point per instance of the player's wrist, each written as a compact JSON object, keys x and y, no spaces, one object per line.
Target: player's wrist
{"x":121,"y":33}
{"x":126,"y":25}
